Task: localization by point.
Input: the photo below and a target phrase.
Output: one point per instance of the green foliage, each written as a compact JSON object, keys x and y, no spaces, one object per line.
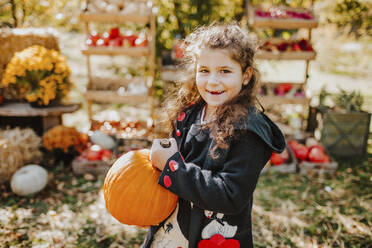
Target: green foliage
{"x":178,"y":18}
{"x":341,"y":101}
{"x":349,"y":101}
{"x":355,"y":15}
{"x":35,"y":13}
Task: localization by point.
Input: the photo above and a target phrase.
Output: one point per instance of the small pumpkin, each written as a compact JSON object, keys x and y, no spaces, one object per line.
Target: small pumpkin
{"x":29,"y":179}
{"x":103,"y":140}
{"x":132,"y":193}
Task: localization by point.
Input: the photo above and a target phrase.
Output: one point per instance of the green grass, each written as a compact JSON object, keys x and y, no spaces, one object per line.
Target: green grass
{"x":303,"y":211}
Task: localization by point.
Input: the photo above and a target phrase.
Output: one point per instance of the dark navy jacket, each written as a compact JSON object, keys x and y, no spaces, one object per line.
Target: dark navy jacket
{"x":223,"y":186}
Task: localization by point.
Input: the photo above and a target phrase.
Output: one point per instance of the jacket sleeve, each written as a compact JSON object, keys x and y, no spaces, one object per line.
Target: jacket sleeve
{"x":226,"y":191}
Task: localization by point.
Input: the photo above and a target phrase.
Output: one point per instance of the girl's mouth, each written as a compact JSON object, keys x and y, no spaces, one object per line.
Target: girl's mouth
{"x":216,"y":92}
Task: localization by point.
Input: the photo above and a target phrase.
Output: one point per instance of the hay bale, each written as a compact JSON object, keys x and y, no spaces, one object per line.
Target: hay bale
{"x":17,"y":39}
{"x":17,"y":148}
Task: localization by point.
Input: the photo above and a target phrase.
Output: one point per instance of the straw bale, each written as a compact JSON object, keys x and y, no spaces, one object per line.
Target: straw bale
{"x":18,"y":147}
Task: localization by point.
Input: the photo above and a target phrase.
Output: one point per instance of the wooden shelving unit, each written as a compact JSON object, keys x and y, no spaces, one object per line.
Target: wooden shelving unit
{"x":114,"y":89}
{"x":307,"y":56}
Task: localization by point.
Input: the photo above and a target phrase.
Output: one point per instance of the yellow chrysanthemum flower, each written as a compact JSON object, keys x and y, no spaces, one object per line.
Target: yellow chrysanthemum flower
{"x":39,"y":74}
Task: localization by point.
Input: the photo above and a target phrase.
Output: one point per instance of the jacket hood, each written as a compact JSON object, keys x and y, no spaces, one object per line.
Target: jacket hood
{"x":256,"y":122}
{"x":267,"y":130}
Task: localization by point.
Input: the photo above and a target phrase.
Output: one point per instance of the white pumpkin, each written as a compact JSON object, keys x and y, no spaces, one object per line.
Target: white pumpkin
{"x":29,"y":179}
{"x":103,"y":140}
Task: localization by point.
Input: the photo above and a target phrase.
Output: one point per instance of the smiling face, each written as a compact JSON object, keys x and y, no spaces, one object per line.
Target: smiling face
{"x":219,"y":78}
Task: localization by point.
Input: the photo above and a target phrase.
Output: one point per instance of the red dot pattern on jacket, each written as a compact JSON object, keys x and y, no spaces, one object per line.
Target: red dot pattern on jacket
{"x":178,"y":133}
{"x":173,"y":165}
{"x":181,"y":116}
{"x":218,"y":241}
{"x":167,"y":181}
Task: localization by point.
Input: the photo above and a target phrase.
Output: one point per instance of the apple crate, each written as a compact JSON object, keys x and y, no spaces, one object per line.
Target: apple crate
{"x":289,"y":167}
{"x":82,"y":165}
{"x":307,"y":167}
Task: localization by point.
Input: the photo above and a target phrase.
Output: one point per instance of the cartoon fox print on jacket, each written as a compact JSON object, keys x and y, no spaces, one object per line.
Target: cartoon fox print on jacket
{"x":215,"y":195}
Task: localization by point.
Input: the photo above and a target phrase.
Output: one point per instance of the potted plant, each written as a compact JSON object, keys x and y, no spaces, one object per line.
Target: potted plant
{"x":38,"y":75}
{"x":343,"y":123}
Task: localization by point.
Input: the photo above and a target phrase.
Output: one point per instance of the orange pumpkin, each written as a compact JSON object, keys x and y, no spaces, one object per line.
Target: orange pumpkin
{"x":132,"y":193}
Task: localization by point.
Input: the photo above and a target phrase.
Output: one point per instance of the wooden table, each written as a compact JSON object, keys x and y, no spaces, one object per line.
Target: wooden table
{"x":39,"y":119}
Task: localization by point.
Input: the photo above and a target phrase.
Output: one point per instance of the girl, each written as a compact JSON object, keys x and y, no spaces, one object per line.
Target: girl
{"x":220,"y":144}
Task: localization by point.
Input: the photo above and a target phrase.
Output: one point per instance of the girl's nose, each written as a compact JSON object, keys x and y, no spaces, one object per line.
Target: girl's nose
{"x":213,"y":79}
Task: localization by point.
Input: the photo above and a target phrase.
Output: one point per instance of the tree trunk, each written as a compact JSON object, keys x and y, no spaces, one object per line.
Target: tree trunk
{"x":14,"y":10}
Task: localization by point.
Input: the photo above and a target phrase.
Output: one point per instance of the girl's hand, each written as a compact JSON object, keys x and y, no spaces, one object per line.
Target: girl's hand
{"x":160,"y":155}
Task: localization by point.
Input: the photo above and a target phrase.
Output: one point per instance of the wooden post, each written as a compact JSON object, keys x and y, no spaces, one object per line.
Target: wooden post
{"x":152,"y":59}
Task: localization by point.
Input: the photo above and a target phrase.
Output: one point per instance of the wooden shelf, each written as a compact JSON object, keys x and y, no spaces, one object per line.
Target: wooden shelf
{"x":273,"y":84}
{"x":130,"y":51}
{"x":275,"y":100}
{"x":106,"y":17}
{"x":295,"y":55}
{"x":106,"y":96}
{"x":25,"y":109}
{"x":289,"y":23}
{"x":280,"y":23}
{"x":109,"y":83}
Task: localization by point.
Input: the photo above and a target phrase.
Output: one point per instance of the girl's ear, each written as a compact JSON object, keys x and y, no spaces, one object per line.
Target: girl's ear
{"x":247,"y":75}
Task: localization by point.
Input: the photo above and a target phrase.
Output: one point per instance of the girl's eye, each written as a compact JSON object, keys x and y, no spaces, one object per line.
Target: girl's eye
{"x":203,"y":71}
{"x":225,"y":71}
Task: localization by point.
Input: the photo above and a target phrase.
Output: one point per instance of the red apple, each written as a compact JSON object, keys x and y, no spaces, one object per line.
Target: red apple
{"x":276,"y":159}
{"x":285,"y":154}
{"x":117,"y":42}
{"x":106,"y":154}
{"x":131,"y":39}
{"x":296,"y":47}
{"x":114,"y":33}
{"x":316,"y":155}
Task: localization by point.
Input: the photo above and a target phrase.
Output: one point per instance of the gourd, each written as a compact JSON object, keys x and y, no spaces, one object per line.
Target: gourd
{"x":132,"y":193}
{"x":103,"y":140}
{"x":29,"y":179}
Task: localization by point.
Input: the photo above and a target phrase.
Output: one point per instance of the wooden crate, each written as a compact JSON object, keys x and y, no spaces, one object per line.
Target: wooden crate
{"x":345,"y":134}
{"x":307,"y":167}
{"x":81,"y":165}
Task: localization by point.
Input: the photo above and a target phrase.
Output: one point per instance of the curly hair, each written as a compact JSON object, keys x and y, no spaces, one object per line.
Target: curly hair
{"x":242,"y":49}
